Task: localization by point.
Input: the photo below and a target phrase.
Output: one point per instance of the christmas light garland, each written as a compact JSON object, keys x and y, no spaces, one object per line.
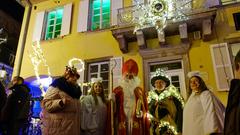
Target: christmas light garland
{"x":157,"y":12}
{"x":169,"y":91}
{"x":162,"y":123}
{"x":37,"y":58}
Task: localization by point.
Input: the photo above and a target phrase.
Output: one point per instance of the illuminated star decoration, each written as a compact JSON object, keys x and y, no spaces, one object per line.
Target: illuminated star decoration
{"x":37,"y":58}
{"x":157,"y":13}
{"x":168,"y":92}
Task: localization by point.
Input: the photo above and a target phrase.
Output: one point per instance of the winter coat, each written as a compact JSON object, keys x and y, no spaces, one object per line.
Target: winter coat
{"x":3,"y":98}
{"x":17,"y":106}
{"x":232,"y":116}
{"x":61,"y":112}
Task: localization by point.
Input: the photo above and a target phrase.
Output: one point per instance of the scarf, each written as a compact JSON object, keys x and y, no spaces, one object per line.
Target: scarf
{"x":72,"y":90}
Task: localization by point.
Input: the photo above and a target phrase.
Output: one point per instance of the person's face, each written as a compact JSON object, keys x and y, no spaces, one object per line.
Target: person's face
{"x":129,"y":76}
{"x":194,"y":84}
{"x":72,"y":80}
{"x":97,"y":88}
{"x":160,"y":84}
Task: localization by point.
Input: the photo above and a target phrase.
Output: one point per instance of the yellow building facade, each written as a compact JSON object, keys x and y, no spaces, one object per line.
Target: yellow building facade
{"x":195,"y":51}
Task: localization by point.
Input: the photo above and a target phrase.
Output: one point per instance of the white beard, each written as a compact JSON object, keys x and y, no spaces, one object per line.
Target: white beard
{"x":129,"y":85}
{"x":129,"y":97}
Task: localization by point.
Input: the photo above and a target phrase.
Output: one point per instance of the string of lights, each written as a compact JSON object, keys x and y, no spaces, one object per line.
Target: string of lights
{"x":157,"y":13}
{"x":37,"y":57}
{"x":168,"y":92}
{"x":162,"y":123}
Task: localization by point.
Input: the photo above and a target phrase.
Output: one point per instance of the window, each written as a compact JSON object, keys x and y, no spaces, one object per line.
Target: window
{"x":236,"y":17}
{"x":95,"y":14}
{"x":49,"y":24}
{"x":100,"y":69}
{"x":100,"y":14}
{"x":175,"y":72}
{"x":54,"y":23}
{"x":110,"y":69}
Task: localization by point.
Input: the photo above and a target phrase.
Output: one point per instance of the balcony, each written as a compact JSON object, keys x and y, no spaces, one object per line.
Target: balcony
{"x":199,"y":22}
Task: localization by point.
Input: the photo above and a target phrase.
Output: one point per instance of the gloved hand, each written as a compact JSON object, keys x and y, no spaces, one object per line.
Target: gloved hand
{"x":111,"y":96}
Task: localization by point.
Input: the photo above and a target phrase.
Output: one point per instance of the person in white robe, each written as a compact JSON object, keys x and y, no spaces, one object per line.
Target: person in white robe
{"x":94,"y":111}
{"x":203,"y":113}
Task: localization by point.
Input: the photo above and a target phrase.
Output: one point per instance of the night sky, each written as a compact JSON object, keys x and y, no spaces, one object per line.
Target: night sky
{"x":13,"y":8}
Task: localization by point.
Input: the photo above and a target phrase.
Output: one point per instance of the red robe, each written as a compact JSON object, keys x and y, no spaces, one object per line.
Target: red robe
{"x":140,"y":125}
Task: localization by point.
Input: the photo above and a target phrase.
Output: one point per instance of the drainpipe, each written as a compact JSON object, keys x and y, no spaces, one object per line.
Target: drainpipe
{"x":21,"y":45}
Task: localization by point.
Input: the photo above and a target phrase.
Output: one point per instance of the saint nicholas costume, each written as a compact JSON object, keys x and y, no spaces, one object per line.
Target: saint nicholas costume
{"x":130,"y":113}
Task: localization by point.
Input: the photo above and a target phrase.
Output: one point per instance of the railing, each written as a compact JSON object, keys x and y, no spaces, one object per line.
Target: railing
{"x":128,"y":16}
{"x":226,"y":2}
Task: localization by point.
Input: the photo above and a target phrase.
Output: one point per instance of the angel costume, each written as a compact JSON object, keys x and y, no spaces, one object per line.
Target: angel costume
{"x":203,"y":114}
{"x":93,"y":117}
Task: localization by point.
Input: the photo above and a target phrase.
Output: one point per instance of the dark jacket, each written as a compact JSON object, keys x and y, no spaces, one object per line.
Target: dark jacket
{"x":17,"y":106}
{"x":3,"y":97}
{"x":232,"y":116}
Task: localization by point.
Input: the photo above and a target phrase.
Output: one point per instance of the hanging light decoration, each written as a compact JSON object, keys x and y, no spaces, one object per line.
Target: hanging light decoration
{"x":158,"y":12}
{"x":37,"y":58}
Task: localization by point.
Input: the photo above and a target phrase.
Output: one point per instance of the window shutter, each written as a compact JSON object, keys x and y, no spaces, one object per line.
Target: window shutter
{"x":116,"y":4}
{"x":83,"y":15}
{"x":222,"y":65}
{"x":116,"y":68}
{"x":66,"y":20}
{"x":37,"y":34}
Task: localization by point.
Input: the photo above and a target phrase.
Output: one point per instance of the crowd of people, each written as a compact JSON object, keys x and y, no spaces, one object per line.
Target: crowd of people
{"x":128,"y":110}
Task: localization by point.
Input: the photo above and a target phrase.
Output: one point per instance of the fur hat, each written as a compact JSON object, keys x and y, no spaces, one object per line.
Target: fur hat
{"x":160,"y":75}
{"x":130,"y":66}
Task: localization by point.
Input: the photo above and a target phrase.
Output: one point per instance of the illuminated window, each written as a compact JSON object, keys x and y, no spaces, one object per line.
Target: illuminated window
{"x":49,"y":24}
{"x":54,"y":23}
{"x":100,"y":14}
